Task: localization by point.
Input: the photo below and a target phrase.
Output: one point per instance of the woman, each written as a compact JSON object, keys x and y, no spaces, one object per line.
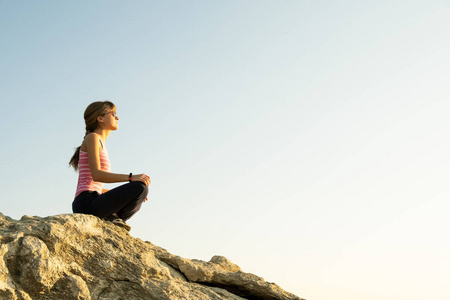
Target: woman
{"x":92,"y":161}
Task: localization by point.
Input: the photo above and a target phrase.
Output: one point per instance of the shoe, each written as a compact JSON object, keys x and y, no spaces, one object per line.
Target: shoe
{"x":121,"y":223}
{"x":117,"y":221}
{"x":110,"y":218}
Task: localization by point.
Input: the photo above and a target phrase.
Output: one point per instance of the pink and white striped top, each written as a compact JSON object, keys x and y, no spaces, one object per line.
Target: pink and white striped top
{"x":85,"y":182}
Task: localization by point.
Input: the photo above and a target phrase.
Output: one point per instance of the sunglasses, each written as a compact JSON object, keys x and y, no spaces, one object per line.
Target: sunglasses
{"x":113,"y":113}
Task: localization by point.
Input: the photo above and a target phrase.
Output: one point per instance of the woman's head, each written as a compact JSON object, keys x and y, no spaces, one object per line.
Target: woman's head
{"x":94,"y":111}
{"x":95,"y":116}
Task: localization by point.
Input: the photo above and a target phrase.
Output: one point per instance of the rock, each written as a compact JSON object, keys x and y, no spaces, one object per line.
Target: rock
{"x":76,"y":256}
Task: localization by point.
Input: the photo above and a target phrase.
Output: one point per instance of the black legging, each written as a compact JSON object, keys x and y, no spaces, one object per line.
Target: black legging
{"x":125,"y":201}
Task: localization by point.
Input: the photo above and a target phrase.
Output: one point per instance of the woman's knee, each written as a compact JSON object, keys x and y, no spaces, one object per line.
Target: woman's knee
{"x":140,"y":187}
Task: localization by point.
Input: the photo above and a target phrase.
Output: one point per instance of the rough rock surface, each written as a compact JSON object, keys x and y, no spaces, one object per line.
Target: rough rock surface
{"x":77,"y":256}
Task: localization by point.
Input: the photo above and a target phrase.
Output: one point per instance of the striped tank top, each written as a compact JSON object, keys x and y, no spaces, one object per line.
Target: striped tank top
{"x":85,"y":182}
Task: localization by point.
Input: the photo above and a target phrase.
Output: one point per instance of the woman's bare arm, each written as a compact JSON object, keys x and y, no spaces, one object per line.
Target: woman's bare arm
{"x":93,"y":147}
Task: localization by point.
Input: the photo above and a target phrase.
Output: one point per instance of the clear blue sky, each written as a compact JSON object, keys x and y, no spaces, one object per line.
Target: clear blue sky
{"x":307,"y":141}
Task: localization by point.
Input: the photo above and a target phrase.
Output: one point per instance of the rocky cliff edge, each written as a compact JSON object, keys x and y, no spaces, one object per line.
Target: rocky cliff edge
{"x":75,"y":256}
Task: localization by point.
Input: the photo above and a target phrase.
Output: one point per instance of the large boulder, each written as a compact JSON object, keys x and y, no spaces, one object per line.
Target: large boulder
{"x":76,"y":256}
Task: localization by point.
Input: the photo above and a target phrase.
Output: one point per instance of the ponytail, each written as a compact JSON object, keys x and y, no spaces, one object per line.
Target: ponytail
{"x":90,"y":118}
{"x":75,"y":158}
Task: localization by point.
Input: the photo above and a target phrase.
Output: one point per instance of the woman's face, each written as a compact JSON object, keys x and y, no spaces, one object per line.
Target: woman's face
{"x":110,"y":120}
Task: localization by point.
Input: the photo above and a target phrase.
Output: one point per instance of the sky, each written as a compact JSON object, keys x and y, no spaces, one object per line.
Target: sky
{"x":306,"y":141}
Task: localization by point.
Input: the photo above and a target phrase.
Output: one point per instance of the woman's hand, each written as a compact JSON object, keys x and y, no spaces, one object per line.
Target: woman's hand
{"x":142,"y":177}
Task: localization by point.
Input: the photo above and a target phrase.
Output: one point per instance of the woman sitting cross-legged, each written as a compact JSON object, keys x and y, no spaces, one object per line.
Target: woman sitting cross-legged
{"x":92,"y":162}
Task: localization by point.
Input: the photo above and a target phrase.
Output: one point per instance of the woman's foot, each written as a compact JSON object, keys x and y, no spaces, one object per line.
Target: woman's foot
{"x":121,"y":223}
{"x":117,"y":221}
